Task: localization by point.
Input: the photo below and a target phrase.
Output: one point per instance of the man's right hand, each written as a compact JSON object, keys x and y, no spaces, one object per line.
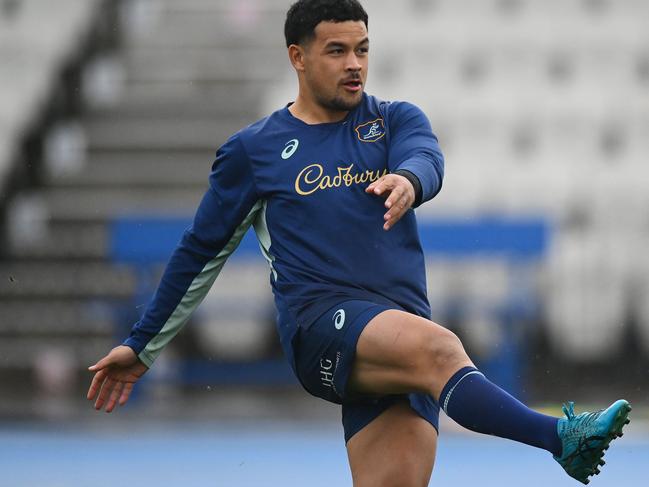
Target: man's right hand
{"x":115,"y":376}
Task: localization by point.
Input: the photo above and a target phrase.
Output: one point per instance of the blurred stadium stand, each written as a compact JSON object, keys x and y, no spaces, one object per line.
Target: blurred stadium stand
{"x":110,"y":114}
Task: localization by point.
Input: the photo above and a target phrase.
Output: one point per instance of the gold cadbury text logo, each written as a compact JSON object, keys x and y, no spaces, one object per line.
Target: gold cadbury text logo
{"x":312,"y":178}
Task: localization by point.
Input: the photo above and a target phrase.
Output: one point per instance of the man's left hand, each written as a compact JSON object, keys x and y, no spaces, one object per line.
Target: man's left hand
{"x":399,"y":194}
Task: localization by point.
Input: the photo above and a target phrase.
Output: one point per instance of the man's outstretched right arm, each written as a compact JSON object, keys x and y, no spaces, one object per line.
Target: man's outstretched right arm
{"x":227,"y":210}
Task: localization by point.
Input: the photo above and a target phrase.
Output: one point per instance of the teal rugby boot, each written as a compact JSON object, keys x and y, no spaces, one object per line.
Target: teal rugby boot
{"x":587,"y":436}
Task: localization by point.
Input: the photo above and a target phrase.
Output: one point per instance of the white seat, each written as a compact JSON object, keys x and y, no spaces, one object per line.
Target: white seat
{"x":228,"y":323}
{"x":585,"y":292}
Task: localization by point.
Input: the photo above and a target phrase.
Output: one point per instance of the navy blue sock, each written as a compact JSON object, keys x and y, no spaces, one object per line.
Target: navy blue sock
{"x":479,"y":405}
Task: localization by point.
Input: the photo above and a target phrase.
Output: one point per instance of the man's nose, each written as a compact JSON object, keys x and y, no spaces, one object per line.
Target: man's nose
{"x":352,"y":63}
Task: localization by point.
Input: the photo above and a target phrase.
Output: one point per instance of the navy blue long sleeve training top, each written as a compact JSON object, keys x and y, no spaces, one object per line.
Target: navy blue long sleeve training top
{"x":302,"y":187}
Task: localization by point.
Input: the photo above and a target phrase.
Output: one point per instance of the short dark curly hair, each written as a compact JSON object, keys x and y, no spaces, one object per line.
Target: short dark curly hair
{"x":304,"y":15}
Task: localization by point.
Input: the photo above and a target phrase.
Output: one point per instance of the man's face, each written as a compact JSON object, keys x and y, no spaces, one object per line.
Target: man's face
{"x":335,"y":64}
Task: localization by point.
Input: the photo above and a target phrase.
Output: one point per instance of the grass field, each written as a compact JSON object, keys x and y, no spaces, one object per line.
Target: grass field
{"x":114,"y":453}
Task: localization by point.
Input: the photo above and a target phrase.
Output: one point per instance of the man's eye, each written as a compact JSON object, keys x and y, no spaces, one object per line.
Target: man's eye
{"x":364,"y":50}
{"x":336,"y":51}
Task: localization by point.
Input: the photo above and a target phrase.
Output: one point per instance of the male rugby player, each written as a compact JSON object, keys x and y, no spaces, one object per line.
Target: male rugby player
{"x":329,"y":184}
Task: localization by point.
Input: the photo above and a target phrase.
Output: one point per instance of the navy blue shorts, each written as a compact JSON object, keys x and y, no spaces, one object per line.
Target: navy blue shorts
{"x":324,"y":353}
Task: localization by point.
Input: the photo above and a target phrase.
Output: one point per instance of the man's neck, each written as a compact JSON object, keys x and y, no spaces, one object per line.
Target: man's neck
{"x":311,"y":113}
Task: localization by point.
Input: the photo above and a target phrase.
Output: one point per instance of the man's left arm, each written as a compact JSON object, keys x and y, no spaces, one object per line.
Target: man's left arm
{"x":415,"y":162}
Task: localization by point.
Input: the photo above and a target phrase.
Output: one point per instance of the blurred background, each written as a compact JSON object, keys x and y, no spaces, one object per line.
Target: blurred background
{"x":110,"y":116}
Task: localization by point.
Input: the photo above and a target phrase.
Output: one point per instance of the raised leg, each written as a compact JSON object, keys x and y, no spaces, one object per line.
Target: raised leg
{"x":398,"y":352}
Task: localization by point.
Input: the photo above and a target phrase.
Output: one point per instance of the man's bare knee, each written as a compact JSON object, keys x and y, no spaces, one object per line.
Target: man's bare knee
{"x":440,"y":356}
{"x":443,"y":350}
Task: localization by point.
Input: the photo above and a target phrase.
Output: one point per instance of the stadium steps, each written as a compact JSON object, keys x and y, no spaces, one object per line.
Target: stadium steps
{"x":144,"y":169}
{"x":234,"y":100}
{"x":166,"y":100}
{"x":157,"y":134}
{"x":65,"y":241}
{"x":216,"y":24}
{"x":53,"y":323}
{"x":94,"y":205}
{"x":46,"y":317}
{"x":25,"y":353}
{"x":204,"y":64}
{"x":25,"y":281}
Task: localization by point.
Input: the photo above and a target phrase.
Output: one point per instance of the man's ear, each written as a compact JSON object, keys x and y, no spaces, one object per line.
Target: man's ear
{"x":296,"y":56}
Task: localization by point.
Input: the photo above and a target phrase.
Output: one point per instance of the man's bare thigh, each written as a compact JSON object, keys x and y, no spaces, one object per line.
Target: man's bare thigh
{"x":399,"y":352}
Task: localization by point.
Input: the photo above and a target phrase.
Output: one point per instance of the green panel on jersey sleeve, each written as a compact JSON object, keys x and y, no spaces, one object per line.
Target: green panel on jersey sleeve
{"x":263,"y":235}
{"x":196,"y":292}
